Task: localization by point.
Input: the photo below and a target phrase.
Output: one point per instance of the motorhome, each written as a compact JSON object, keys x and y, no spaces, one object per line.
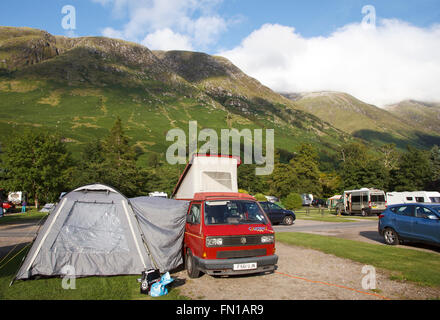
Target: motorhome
{"x":413,"y":197}
{"x":226,"y":232}
{"x":364,"y":201}
{"x":307,"y":199}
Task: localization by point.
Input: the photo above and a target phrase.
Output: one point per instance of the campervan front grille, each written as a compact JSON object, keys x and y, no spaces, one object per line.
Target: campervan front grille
{"x":241,"y":253}
{"x":249,"y":240}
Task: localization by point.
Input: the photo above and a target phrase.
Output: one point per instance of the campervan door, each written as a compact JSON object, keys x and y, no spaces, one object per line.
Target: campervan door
{"x":359,"y":201}
{"x":377,"y":202}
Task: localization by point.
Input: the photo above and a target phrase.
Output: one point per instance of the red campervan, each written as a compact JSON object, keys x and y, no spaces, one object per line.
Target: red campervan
{"x":226,"y":232}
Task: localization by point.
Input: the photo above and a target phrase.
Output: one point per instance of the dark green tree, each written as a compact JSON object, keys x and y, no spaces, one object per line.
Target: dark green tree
{"x":37,"y":162}
{"x":293,"y":201}
{"x":248,"y":180}
{"x":305,"y":165}
{"x":414,"y":171}
{"x":434,"y":158}
{"x":113,"y":161}
{"x":282,"y":181}
{"x":360,"y":168}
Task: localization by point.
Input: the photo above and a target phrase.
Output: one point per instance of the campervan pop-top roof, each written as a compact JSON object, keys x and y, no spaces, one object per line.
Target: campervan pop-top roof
{"x":208,"y":173}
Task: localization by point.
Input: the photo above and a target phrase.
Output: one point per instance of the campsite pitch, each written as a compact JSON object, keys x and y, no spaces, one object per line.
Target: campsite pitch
{"x":303,"y":273}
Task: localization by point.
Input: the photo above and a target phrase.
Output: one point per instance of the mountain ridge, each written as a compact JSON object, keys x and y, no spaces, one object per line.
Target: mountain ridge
{"x":363,"y":120}
{"x":78,"y":86}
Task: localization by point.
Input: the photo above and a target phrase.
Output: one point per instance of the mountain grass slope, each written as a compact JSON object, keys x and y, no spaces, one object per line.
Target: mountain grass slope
{"x":365,"y":121}
{"x":423,"y":114}
{"x":78,"y":87}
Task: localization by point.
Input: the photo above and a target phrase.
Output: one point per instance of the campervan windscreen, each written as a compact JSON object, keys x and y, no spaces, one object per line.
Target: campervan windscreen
{"x":377,"y":198}
{"x":435,"y":199}
{"x":233,"y":212}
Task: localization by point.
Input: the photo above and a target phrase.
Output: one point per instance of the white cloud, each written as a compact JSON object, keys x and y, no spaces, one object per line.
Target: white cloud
{"x":191,"y":22}
{"x":382,"y":65}
{"x":166,"y":39}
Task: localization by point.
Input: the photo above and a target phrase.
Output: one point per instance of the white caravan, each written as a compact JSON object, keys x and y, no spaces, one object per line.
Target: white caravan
{"x":413,"y":197}
{"x":364,"y":201}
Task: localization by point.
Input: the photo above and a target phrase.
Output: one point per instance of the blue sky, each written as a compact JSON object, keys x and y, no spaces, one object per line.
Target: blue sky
{"x":309,"y":18}
{"x":290,"y":46}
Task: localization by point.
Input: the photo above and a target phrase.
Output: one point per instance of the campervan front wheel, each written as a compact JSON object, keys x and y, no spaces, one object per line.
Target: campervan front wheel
{"x":191,"y":268}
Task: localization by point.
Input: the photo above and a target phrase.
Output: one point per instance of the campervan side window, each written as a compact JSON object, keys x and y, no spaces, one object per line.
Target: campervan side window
{"x":195,"y":213}
{"x":365,"y":198}
{"x":356,"y":199}
{"x":409,"y":198}
{"x":420,"y":199}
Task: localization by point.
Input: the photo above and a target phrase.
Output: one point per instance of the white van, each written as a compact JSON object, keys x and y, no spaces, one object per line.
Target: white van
{"x":413,"y":197}
{"x":364,"y":201}
{"x":158,"y":194}
{"x":307,"y":199}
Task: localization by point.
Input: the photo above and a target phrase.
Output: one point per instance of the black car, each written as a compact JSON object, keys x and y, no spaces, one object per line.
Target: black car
{"x":277,"y":214}
{"x":318,"y":202}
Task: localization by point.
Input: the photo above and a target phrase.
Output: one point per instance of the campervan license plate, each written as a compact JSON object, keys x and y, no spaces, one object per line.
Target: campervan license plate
{"x":245,"y":266}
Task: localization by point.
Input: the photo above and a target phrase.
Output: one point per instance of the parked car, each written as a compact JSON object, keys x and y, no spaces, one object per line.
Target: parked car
{"x":277,"y":214}
{"x":414,"y":222}
{"x":7,"y":206}
{"x":318,"y":202}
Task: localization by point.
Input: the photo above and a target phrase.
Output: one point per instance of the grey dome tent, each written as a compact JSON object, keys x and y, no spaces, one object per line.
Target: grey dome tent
{"x":95,"y":230}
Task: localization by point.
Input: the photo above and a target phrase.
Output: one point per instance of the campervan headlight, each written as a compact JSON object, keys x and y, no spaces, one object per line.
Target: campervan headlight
{"x":213,"y":241}
{"x":267,"y":239}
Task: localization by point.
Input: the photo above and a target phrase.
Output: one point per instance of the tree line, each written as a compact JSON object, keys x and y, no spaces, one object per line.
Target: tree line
{"x":355,"y":166}
{"x":39,"y":163}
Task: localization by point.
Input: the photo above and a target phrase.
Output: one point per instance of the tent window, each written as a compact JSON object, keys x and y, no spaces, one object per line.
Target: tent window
{"x":91,"y":228}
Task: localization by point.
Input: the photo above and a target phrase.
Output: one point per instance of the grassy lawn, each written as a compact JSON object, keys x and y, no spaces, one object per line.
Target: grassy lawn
{"x":326,"y":215}
{"x":32,"y":214}
{"x":91,"y":288}
{"x":405,"y":264}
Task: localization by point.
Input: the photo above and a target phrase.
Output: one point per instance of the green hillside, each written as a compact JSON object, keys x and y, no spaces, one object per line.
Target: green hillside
{"x":79,"y":86}
{"x":423,"y":114}
{"x":365,"y":121}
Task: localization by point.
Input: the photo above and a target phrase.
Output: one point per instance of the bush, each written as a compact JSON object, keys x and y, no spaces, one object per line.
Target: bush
{"x":293,"y":201}
{"x":243,"y":191}
{"x":260,"y":197}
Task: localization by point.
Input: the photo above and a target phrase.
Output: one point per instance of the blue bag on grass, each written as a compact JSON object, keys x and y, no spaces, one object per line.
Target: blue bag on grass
{"x":159,"y":288}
